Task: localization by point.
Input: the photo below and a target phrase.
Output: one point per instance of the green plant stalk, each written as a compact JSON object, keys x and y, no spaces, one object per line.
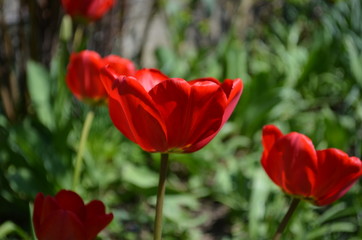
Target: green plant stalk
{"x":31,"y":212}
{"x":78,"y":38}
{"x":157,"y":234}
{"x":83,"y":139}
{"x":288,"y":215}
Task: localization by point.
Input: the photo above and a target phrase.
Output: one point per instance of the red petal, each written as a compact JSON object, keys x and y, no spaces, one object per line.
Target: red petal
{"x":91,"y":10}
{"x":233,"y":90}
{"x":120,"y":120}
{"x":83,"y":75}
{"x":135,"y":115}
{"x":71,"y":201}
{"x":191,"y":112}
{"x":149,"y":78}
{"x":270,"y":135}
{"x":205,"y":79}
{"x":45,"y":209}
{"x":38,"y":211}
{"x":72,"y":7}
{"x":336,"y":175}
{"x":96,"y":9}
{"x":208,"y":106}
{"x":96,"y":218}
{"x":61,"y":225}
{"x":108,"y":75}
{"x":121,"y":66}
{"x":292,"y":164}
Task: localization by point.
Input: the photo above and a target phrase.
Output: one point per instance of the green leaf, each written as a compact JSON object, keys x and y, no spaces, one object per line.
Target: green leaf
{"x":39,"y":87}
{"x":355,"y":60}
{"x":331,"y":228}
{"x":330,"y":213}
{"x":9,"y":227}
{"x":179,"y":214}
{"x":260,"y":192}
{"x":139,"y":176}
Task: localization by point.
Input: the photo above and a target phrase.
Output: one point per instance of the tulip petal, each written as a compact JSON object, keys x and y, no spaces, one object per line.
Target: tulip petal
{"x":233,"y":90}
{"x":114,"y":67}
{"x":73,"y":7}
{"x":337,"y":173}
{"x":149,"y":78}
{"x":191,"y":112}
{"x":96,"y":9}
{"x":96,"y":218}
{"x":135,"y":115}
{"x":89,"y":9}
{"x":172,"y":99}
{"x":121,"y":66}
{"x":69,"y":200}
{"x":292,"y":164}
{"x":108,"y":75}
{"x":48,"y":206}
{"x":83,"y":75}
{"x":61,"y":225}
{"x":208,"y":80}
{"x":208,"y":107}
{"x":270,"y":135}
{"x":38,"y":211}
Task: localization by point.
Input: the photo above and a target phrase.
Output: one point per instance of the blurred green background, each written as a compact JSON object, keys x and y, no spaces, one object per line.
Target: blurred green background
{"x":301,"y":63}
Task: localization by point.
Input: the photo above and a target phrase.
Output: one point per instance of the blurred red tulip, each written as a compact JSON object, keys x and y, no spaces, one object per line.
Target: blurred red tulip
{"x":83,"y":75}
{"x":89,"y":10}
{"x":164,"y":114}
{"x":321,"y":176}
{"x":66,"y":217}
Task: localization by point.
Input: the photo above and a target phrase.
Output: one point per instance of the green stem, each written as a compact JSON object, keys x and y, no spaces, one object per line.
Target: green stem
{"x":283,"y":224}
{"x":83,"y":140}
{"x":157,"y":235}
{"x":78,"y":38}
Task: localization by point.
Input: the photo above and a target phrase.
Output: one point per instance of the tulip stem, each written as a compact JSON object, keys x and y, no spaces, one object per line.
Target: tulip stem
{"x":83,"y":139}
{"x":283,"y":224}
{"x":157,"y":235}
{"x":78,"y":38}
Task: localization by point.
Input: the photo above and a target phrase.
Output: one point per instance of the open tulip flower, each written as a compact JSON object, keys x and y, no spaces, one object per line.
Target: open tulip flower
{"x":166,"y":115}
{"x":320,"y":176}
{"x":83,"y":75}
{"x":89,"y":10}
{"x":65,"y":217}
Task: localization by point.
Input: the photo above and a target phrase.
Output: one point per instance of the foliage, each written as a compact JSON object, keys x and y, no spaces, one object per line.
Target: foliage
{"x":302,"y":71}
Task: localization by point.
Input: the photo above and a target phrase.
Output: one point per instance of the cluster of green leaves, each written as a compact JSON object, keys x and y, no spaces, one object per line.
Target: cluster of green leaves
{"x":300,"y":73}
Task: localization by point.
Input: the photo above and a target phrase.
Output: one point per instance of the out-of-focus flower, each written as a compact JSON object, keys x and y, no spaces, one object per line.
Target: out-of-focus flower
{"x":292,"y":162}
{"x":83,"y":74}
{"x":90,"y":10}
{"x":163,"y":114}
{"x":65,"y":217}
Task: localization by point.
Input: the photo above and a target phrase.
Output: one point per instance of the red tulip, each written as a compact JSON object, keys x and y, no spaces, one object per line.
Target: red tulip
{"x":90,"y":10}
{"x":164,"y":114}
{"x":83,"y":75}
{"x":66,"y":217}
{"x":293,"y":164}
